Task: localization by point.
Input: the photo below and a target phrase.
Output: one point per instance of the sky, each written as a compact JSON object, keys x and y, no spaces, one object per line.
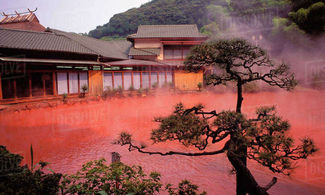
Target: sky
{"x":78,"y":16}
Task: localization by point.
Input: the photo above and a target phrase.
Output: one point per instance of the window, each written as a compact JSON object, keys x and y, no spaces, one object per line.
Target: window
{"x":154,"y":79}
{"x":118,"y":83}
{"x":145,"y":80}
{"x":162,"y":78}
{"x":136,"y":80}
{"x":73,"y":82}
{"x":176,"y":52}
{"x":83,"y":79}
{"x":127,"y":80}
{"x":108,"y":82}
{"x":62,"y":81}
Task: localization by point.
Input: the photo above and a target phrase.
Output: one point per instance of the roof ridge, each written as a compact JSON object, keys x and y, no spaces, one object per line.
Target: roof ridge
{"x":63,"y":34}
{"x":52,"y":34}
{"x":28,"y":31}
{"x":72,"y":33}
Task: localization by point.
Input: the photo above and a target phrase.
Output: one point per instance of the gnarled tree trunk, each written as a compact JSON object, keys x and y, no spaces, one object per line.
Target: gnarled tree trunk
{"x":241,"y":184}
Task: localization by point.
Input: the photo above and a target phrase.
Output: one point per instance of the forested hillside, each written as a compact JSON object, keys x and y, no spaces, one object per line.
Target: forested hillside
{"x":308,"y":15}
{"x":155,"y":12}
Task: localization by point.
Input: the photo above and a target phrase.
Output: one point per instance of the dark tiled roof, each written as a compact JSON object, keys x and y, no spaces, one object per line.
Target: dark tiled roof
{"x":18,"y":18}
{"x":55,"y":40}
{"x":144,"y":52}
{"x":132,"y":62}
{"x":168,"y":31}
{"x":42,"y":41}
{"x":118,"y":49}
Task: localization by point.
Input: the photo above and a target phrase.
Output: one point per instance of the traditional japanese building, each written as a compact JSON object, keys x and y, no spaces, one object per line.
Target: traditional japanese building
{"x":43,"y":63}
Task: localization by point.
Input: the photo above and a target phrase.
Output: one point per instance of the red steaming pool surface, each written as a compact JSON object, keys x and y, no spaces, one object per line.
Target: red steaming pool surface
{"x":69,"y":135}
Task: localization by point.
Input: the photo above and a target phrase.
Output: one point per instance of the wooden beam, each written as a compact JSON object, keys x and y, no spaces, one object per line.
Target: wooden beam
{"x":68,"y":83}
{"x":149,"y":80}
{"x":44,"y":90}
{"x":141,"y":86}
{"x":113,"y":80}
{"x":132,"y":82}
{"x":1,"y":88}
{"x":182,"y":42}
{"x":30,"y":85}
{"x":78,"y":82}
{"x":54,"y":83}
{"x":15,"y":89}
{"x":123,"y":80}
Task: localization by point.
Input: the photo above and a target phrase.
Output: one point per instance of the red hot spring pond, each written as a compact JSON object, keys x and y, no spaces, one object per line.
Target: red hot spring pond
{"x":69,"y":135}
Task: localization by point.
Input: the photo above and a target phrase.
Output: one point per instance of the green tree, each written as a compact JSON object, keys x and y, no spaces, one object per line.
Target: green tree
{"x":96,"y":177}
{"x":264,"y":139}
{"x":17,"y":179}
{"x":155,"y":12}
{"x":309,"y":15}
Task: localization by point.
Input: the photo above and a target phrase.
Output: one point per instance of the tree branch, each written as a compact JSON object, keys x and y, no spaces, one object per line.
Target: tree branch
{"x":134,"y":147}
{"x":272,"y":183}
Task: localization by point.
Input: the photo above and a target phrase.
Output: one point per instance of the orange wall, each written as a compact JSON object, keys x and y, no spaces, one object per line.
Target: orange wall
{"x":187,"y":80}
{"x":95,"y":82}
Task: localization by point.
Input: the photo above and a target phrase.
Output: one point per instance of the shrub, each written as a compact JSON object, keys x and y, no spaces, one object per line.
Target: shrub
{"x":96,"y":177}
{"x":65,"y":97}
{"x":131,"y":88}
{"x":155,"y":85}
{"x":84,"y":89}
{"x":139,"y":92}
{"x":16,"y":179}
{"x":116,"y":178}
{"x":200,"y":86}
{"x":108,"y":92}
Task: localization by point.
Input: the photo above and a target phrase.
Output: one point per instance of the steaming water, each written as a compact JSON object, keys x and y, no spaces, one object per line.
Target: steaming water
{"x":69,"y":135}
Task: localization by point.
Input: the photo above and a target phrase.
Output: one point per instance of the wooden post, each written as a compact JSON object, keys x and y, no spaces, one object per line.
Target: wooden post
{"x":0,"y":88}
{"x":149,"y":79}
{"x":78,"y":83}
{"x":132,"y":82}
{"x":113,"y":80}
{"x":123,"y":80}
{"x":54,"y":83}
{"x":44,"y":90}
{"x":141,"y":86}
{"x":30,"y":85}
{"x":15,"y":89}
{"x":68,"y":83}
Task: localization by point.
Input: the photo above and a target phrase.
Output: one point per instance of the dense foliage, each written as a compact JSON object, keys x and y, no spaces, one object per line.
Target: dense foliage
{"x":17,"y":179}
{"x":309,"y":15}
{"x":96,"y":177}
{"x":217,"y":17}
{"x":154,"y":12}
